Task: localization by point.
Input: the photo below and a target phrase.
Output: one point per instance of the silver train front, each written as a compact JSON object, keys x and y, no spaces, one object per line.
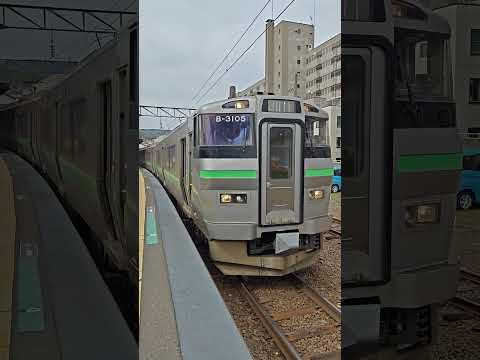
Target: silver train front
{"x":249,"y":237}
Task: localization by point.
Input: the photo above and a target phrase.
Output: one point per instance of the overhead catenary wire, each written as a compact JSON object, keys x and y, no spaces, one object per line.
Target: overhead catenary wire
{"x":243,"y":53}
{"x":230,"y":51}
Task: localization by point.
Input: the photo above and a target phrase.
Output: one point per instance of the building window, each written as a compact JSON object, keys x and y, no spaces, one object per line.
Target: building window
{"x":279,"y":61}
{"x":474,"y":90}
{"x":279,"y":86}
{"x":298,"y":86}
{"x":475,"y":42}
{"x":339,"y":142}
{"x":298,"y":47}
{"x":278,"y":47}
{"x":339,"y":122}
{"x":279,"y":73}
{"x":298,"y":61}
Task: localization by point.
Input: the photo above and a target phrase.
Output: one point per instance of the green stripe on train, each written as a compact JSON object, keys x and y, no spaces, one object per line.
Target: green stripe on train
{"x":228,"y":174}
{"x":318,"y":172}
{"x":430,"y":162}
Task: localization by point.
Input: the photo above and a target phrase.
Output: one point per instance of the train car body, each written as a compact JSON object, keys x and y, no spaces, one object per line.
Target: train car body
{"x":75,"y":129}
{"x":401,"y":162}
{"x":255,"y":178}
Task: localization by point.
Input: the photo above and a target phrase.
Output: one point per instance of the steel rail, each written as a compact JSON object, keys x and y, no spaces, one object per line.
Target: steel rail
{"x":285,"y":346}
{"x":333,"y":311}
{"x":470,"y":275}
{"x":466,"y":304}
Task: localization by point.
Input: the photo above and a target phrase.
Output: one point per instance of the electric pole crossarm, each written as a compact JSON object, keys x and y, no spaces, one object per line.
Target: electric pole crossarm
{"x":11,"y":14}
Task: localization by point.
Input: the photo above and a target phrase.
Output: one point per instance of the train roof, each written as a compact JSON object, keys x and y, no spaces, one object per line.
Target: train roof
{"x":214,"y":106}
{"x":320,"y":113}
{"x":421,"y":18}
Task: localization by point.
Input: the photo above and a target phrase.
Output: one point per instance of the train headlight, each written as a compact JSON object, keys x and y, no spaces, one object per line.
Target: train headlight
{"x":225,"y":198}
{"x":316,"y":194}
{"x":428,"y":213}
{"x":238,"y":104}
{"x":422,"y":214}
{"x":233,"y":198}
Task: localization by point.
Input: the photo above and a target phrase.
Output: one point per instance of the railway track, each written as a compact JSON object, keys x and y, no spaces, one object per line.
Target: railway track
{"x":271,"y":314}
{"x":336,"y":228}
{"x":466,"y":303}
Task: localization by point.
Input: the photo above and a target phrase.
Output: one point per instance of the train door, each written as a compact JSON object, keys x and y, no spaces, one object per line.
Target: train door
{"x":365,"y":195}
{"x":109,"y":150}
{"x":282,"y":173}
{"x":57,"y":146}
{"x":184,"y":181}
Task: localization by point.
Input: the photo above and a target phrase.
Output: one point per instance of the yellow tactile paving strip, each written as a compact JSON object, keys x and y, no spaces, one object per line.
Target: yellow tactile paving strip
{"x":141,"y":231}
{"x":7,"y":257}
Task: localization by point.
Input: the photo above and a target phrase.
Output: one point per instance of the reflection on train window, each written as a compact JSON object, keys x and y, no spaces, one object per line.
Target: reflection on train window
{"x":281,"y":142}
{"x":316,"y":133}
{"x":471,"y":162}
{"x":226,"y":129}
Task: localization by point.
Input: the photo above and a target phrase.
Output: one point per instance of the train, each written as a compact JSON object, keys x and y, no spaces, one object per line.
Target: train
{"x":76,"y":129}
{"x":401,"y":165}
{"x":253,"y":176}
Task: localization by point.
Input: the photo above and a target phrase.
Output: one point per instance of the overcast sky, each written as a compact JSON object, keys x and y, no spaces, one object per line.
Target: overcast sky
{"x":182,"y":41}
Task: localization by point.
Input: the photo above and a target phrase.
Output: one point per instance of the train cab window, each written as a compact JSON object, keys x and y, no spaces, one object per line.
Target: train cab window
{"x":363,"y":10}
{"x":316,"y":138}
{"x":281,"y":142}
{"x":226,"y":130}
{"x":316,"y":133}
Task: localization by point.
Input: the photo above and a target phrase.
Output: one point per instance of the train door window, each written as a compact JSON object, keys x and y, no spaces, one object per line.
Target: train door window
{"x":352,"y":150}
{"x":474,"y":90}
{"x":475,"y":42}
{"x":281,"y":142}
{"x":133,"y":81}
{"x":133,"y":64}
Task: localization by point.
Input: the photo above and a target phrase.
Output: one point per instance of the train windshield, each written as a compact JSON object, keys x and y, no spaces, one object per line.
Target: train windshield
{"x":226,"y":130}
{"x":316,"y":133}
{"x":423,"y":70}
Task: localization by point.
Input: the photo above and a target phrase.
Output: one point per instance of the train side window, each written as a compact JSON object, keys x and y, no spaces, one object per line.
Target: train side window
{"x":354,"y":68}
{"x":79,"y":129}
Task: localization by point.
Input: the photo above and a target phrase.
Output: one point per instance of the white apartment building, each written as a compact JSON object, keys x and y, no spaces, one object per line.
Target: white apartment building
{"x":285,"y":60}
{"x":295,"y":68}
{"x":324,"y":72}
{"x":464,"y":19}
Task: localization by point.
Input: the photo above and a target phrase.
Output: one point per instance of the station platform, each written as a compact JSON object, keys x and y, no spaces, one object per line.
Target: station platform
{"x":182,"y":315}
{"x":54,"y":303}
